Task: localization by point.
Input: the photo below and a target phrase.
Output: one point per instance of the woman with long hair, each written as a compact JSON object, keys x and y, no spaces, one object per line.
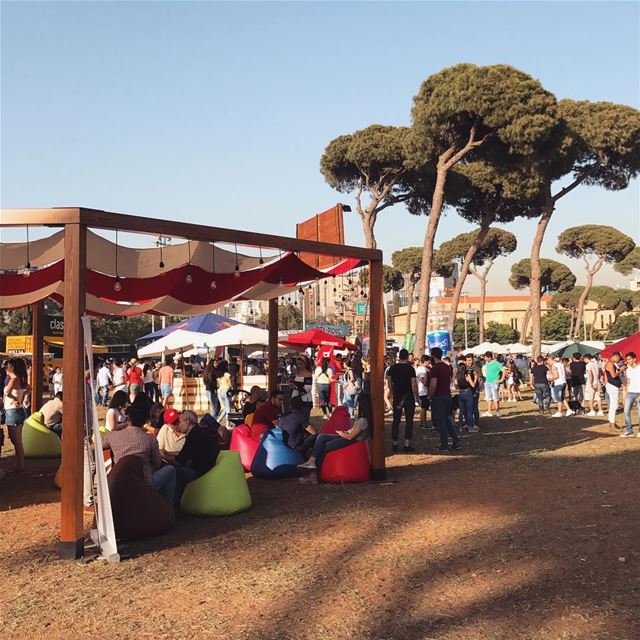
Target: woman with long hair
{"x":223,"y":382}
{"x":147,"y":380}
{"x":324,"y":375}
{"x":14,"y":405}
{"x":116,"y":417}
{"x":303,"y":383}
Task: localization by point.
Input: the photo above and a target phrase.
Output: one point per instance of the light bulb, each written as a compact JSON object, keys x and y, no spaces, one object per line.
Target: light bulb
{"x":117,"y":285}
{"x":213,"y":284}
{"x":236,"y":273}
{"x":161,"y":265}
{"x":188,"y":278}
{"x":280,"y":283}
{"x":27,"y":270}
{"x":261,"y":261}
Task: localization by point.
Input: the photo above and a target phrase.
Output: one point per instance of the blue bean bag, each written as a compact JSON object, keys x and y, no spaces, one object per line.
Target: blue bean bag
{"x":274,"y":459}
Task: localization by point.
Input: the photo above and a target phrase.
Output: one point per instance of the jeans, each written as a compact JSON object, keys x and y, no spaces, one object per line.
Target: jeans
{"x":350,"y":402}
{"x":629,"y":400}
{"x":184,"y":475}
{"x":407,"y":403}
{"x":57,"y":429}
{"x":543,"y":397}
{"x":476,"y":407}
{"x":164,"y":482}
{"x":577,"y":392}
{"x":324,"y":395}
{"x":441,"y":415}
{"x":225,"y":404}
{"x":613,"y":393}
{"x":149,"y":389}
{"x":214,"y":405}
{"x":325,"y":443}
{"x":491,"y":391}
{"x":557,"y":392}
{"x":465,"y":396}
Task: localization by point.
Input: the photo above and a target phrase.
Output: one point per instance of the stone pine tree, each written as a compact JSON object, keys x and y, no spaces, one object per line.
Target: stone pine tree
{"x":371,"y":164}
{"x":457,"y":113}
{"x":607,"y":299}
{"x":595,"y":143}
{"x":630,"y":263}
{"x":596,"y":244}
{"x":567,"y":300}
{"x":490,"y":194}
{"x":555,"y":277}
{"x":409,"y":262}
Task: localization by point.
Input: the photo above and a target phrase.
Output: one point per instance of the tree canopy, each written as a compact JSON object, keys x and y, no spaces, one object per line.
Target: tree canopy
{"x":500,"y":333}
{"x":392,"y":279}
{"x":555,"y":275}
{"x":623,"y":327}
{"x":408,"y":261}
{"x":629,"y":263}
{"x":556,"y":325}
{"x":498,"y":242}
{"x":604,"y":243}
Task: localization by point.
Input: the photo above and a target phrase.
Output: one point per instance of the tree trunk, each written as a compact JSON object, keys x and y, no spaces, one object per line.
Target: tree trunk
{"x":427,"y":259}
{"x":410,"y":291}
{"x":536,"y":276}
{"x":482,"y":277}
{"x":368,"y":223}
{"x":464,"y":270}
{"x":581,"y":304}
{"x":525,"y":323}
{"x":571,"y":325}
{"x":593,"y":324}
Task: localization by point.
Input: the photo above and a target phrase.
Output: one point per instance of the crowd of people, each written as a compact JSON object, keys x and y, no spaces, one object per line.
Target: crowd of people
{"x":137,"y":398}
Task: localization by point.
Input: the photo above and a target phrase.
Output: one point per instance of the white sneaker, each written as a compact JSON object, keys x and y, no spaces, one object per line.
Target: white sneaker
{"x":600,"y":414}
{"x":498,"y":414}
{"x":486,"y":414}
{"x":557,"y":414}
{"x":591,"y":413}
{"x":569,"y":413}
{"x":626,"y":435}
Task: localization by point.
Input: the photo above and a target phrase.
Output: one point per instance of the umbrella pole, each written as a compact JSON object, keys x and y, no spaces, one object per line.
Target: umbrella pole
{"x":185,"y":386}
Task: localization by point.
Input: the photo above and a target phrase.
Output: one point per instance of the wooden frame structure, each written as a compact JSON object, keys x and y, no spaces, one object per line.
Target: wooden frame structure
{"x":75,"y":222}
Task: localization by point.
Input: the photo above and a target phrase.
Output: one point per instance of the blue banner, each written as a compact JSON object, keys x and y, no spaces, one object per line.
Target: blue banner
{"x":440,"y":339}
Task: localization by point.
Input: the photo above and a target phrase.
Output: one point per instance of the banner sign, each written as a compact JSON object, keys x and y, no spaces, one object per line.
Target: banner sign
{"x":440,"y":339}
{"x":409,"y":341}
{"x":362,"y":308}
{"x":341,"y":330}
{"x":54,"y":326}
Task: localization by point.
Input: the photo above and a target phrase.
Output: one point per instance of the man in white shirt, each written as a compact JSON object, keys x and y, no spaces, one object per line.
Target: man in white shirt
{"x":632,"y":396}
{"x":103,"y":381}
{"x":559,"y":387}
{"x":592,"y":386}
{"x":422,"y":377}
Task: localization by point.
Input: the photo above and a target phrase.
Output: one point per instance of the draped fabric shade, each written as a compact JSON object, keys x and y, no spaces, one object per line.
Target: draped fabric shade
{"x":187,"y":284}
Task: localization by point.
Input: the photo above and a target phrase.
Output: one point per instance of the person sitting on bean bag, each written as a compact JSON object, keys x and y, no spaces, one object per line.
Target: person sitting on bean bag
{"x":295,"y":424}
{"x":326,"y":443}
{"x":52,"y":414}
{"x":199,"y":452}
{"x":269,"y":412}
{"x":170,"y":440}
{"x":132,"y":440}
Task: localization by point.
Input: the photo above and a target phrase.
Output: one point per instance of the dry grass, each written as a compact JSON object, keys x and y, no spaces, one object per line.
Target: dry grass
{"x":520,"y":536}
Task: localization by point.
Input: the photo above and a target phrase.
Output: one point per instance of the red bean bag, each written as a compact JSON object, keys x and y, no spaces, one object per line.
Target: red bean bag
{"x":257,"y":430}
{"x":349,"y":464}
{"x":244,"y":444}
{"x":138,"y":511}
{"x":339,"y":421}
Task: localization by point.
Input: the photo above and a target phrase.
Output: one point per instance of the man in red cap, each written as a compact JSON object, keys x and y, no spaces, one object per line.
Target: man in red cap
{"x":170,"y":440}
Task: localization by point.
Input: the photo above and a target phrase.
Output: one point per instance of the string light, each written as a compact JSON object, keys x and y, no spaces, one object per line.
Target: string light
{"x":213,"y":284}
{"x":189,"y":278}
{"x":236,"y":273}
{"x":27,"y":267}
{"x":261,"y":261}
{"x":117,"y":285}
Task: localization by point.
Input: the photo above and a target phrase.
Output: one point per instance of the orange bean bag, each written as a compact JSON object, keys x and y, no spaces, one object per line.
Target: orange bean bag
{"x":349,"y":464}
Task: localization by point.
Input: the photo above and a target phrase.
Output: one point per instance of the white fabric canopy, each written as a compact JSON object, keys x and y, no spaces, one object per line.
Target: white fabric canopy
{"x":515,"y":348}
{"x":179,"y":340}
{"x":239,"y":334}
{"x":494,"y":347}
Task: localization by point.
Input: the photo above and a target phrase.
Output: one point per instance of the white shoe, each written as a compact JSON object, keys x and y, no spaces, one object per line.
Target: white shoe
{"x":486,"y":414}
{"x":626,"y":435}
{"x":557,"y":414}
{"x":569,"y":413}
{"x":638,"y":434}
{"x":600,"y":414}
{"x":591,"y":413}
{"x":498,"y":414}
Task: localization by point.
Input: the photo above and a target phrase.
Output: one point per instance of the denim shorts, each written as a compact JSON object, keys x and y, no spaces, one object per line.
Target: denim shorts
{"x":165,"y":390}
{"x":15,"y":417}
{"x":557,"y":392}
{"x":491,"y":391}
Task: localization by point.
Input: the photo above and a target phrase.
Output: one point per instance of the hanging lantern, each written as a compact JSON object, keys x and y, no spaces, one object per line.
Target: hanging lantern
{"x":236,"y":273}
{"x":117,"y":285}
{"x":213,"y":284}
{"x":188,"y":278}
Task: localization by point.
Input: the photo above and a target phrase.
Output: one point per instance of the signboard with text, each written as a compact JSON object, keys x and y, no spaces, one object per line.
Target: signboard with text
{"x":362,"y":308}
{"x":341,"y":330}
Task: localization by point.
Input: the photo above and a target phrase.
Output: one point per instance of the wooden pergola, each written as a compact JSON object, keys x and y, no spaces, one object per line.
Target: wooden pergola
{"x":76,"y":222}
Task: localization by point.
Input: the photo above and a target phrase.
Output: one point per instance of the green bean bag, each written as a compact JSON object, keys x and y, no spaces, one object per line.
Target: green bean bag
{"x":38,"y":440}
{"x":221,"y":491}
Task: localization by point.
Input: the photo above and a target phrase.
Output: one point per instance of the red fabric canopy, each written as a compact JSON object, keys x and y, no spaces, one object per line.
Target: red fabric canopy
{"x":632,"y":343}
{"x":317,"y":338}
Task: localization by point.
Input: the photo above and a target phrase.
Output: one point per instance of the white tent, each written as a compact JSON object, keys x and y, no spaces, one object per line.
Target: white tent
{"x":239,"y":335}
{"x":494,"y":347}
{"x":515,"y":349}
{"x":179,"y":340}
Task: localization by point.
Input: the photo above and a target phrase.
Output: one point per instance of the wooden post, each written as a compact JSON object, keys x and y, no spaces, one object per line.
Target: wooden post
{"x":72,"y":526}
{"x":273,"y":344}
{"x":37,"y":355}
{"x":376,"y":359}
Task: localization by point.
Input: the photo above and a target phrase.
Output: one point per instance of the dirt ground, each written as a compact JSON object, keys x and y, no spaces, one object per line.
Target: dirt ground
{"x":530,"y":532}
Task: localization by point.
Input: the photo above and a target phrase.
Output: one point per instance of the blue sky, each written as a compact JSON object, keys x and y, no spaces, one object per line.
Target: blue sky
{"x":218,"y":113}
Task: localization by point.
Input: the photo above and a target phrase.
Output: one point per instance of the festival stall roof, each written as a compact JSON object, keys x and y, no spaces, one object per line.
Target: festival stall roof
{"x":205,"y":323}
{"x":91,"y":275}
{"x":179,"y":340}
{"x":316,"y":338}
{"x":239,"y":335}
{"x":632,"y":343}
{"x":567,"y":350}
{"x":482,"y":348}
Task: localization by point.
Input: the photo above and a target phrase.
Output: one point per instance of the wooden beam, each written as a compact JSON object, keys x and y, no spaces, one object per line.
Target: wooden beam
{"x":39,"y":217}
{"x":273,"y":344}
{"x":376,"y":360}
{"x":37,"y":362}
{"x":72,"y":526}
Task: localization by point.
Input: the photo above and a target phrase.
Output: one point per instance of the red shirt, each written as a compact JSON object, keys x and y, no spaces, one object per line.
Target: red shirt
{"x":135,"y":375}
{"x":266,"y":413}
{"x":441,"y":372}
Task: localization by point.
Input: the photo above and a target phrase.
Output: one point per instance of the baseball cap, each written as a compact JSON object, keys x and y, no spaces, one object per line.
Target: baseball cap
{"x":170,"y":416}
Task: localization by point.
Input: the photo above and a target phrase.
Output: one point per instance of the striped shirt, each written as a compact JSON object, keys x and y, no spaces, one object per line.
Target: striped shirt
{"x":134,"y":441}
